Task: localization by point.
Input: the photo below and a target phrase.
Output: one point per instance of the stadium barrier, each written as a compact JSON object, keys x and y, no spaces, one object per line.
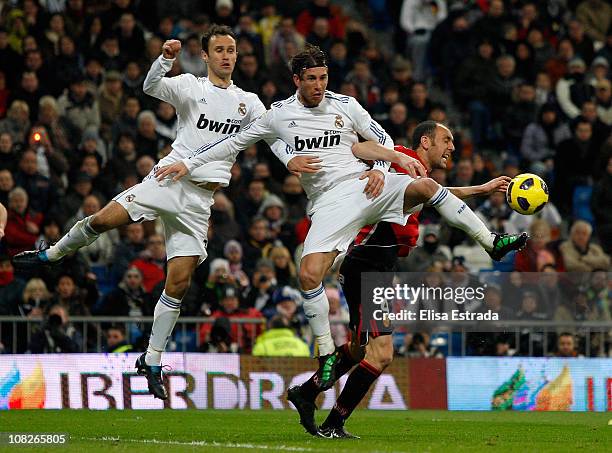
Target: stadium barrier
{"x":233,"y":381}
{"x":450,"y":338}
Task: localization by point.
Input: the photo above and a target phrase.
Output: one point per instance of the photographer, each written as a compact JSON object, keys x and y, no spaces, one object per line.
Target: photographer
{"x":218,"y":278}
{"x":55,"y":334}
{"x":263,"y":286}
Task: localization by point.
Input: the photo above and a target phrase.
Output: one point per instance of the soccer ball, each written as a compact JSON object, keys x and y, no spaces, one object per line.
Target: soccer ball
{"x":527,"y":194}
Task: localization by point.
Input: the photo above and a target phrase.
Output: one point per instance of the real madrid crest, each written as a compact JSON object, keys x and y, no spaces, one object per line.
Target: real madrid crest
{"x":339,"y":122}
{"x":129,"y":198}
{"x":242,"y":108}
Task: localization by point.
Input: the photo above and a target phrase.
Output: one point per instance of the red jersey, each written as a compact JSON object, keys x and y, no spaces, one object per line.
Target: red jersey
{"x":382,"y":243}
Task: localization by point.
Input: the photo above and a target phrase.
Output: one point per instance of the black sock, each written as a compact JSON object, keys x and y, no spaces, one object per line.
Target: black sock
{"x":354,"y":391}
{"x":311,"y":389}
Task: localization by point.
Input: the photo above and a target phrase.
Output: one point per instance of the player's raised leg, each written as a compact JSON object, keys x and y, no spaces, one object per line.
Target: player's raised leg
{"x":379,"y":355}
{"x":82,"y":233}
{"x":459,"y":215}
{"x":167,"y":310}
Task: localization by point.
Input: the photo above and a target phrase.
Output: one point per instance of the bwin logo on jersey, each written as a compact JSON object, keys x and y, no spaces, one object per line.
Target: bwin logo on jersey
{"x":216,"y":126}
{"x":331,"y":138}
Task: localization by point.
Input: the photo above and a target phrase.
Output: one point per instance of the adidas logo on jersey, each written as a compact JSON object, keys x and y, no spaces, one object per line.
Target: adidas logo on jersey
{"x":331,"y":138}
{"x":202,"y":101}
{"x":292,"y":124}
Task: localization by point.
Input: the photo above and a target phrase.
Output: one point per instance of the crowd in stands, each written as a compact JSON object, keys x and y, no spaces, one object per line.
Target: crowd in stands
{"x":524,"y":85}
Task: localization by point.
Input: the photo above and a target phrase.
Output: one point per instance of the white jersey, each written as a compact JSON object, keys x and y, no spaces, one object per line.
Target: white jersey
{"x":327,"y":131}
{"x":205,"y":112}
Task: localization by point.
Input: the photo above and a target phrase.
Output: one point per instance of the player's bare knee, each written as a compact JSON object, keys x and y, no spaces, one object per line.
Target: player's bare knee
{"x":309,"y":278}
{"x":177,"y":287}
{"x":426,"y":187}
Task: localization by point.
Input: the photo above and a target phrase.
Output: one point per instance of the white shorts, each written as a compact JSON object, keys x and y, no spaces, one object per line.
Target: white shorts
{"x":339,"y":214}
{"x":183,"y":208}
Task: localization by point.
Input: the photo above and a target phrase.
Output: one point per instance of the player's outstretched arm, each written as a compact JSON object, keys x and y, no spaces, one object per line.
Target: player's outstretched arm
{"x":499,"y":184}
{"x":226,"y":148}
{"x":371,"y":150}
{"x":165,"y":88}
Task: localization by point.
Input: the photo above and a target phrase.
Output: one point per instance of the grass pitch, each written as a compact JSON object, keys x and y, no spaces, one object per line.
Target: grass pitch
{"x":380,"y":431}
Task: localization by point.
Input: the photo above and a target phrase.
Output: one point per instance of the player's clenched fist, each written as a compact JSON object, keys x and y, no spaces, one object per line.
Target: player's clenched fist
{"x":171,"y":48}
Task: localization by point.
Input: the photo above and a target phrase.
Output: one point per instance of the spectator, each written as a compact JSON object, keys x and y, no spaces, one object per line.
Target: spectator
{"x":61,"y":135}
{"x":129,"y":299}
{"x":320,"y":8}
{"x":124,"y":161}
{"x":284,"y":269}
{"x":190,"y":57}
{"x":579,"y":253}
{"x":130,"y":36}
{"x":128,"y":121}
{"x":79,"y":106}
{"x":575,"y":163}
{"x":280,"y":341}
{"x":220,"y":339}
{"x":286,"y":32}
{"x":263,"y":285}
{"x":600,"y":201}
{"x":75,"y":300}
{"x":583,"y":45}
{"x":596,"y":15}
{"x":128,"y":248}
{"x":338,"y":316}
{"x":418,"y":22}
{"x":566,"y":346}
{"x":29,"y":92}
{"x":257,"y":243}
{"x":23,"y":224}
{"x":603,"y":98}
{"x":432,"y":251}
{"x":167,"y":121}
{"x":518,"y":115}
{"x":151,"y":262}
{"x":418,"y":346}
{"x":537,"y":253}
{"x":17,"y":121}
{"x":8,"y":153}
{"x":115,"y":340}
{"x":572,"y":90}
{"x":396,"y":125}
{"x":35,"y":298}
{"x":6,"y":185}
{"x":242,"y":334}
{"x":56,"y":334}
{"x":248,"y":76}
{"x":110,"y":100}
{"x":471,"y":81}
{"x":541,"y":137}
{"x":495,"y":212}
{"x":419,"y":106}
{"x":148,"y":141}
{"x":294,"y":198}
{"x":233,"y":253}
{"x":50,"y":234}
{"x":273,"y":210}
{"x":11,"y":290}
{"x":219,"y":277}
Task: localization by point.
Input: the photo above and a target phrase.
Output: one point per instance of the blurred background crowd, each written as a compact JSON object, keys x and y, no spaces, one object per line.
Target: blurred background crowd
{"x":524,"y":85}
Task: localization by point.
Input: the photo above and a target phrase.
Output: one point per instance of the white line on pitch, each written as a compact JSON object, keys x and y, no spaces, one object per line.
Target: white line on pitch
{"x":199,"y":443}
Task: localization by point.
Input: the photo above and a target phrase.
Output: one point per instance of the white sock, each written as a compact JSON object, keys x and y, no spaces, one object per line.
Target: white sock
{"x":316,"y":309}
{"x":459,"y":215}
{"x":165,"y":315}
{"x":80,"y":235}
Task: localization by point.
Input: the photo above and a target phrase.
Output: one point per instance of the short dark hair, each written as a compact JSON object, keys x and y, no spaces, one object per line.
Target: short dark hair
{"x":216,"y":30}
{"x":310,"y":57}
{"x":424,"y":129}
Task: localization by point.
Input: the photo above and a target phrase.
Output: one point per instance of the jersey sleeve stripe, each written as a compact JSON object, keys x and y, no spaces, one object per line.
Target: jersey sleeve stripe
{"x":206,"y":147}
